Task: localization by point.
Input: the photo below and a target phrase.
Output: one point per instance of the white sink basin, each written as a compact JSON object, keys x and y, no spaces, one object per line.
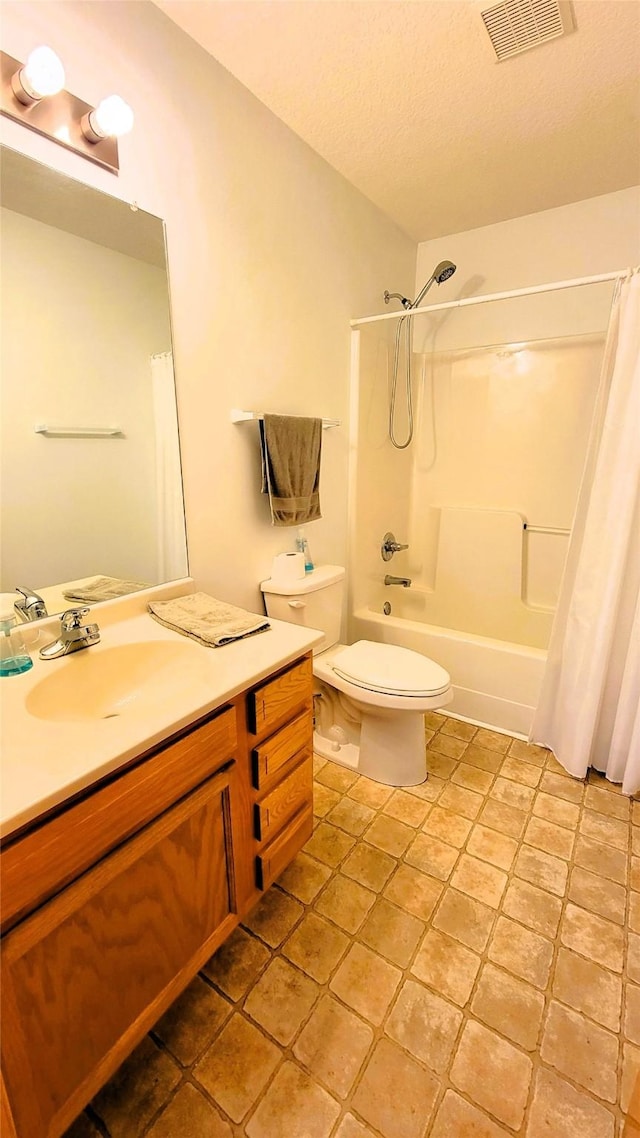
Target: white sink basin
{"x":124,"y":680}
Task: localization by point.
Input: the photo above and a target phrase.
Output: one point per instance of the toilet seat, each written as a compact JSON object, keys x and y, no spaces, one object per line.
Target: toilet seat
{"x":390,"y":670}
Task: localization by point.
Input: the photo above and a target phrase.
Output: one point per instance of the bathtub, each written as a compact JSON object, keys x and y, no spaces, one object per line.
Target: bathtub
{"x":495,"y":683}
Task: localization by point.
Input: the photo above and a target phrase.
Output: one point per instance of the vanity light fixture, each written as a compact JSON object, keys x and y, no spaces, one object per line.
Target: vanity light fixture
{"x":33,"y":94}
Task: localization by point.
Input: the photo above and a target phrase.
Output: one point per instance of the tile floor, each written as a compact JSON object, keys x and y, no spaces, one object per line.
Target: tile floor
{"x":459,"y":960}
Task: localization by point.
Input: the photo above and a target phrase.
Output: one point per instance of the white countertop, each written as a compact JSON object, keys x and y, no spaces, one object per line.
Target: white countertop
{"x":43,"y":762}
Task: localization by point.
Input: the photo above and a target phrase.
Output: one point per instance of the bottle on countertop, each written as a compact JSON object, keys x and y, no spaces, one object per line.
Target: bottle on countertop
{"x":302,"y":545}
{"x":14,"y":654}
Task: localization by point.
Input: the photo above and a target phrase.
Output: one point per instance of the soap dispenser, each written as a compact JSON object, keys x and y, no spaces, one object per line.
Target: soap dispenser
{"x":14,"y":654}
{"x":302,"y":545}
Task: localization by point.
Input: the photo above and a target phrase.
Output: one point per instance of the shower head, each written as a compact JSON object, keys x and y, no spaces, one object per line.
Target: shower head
{"x":441,"y":273}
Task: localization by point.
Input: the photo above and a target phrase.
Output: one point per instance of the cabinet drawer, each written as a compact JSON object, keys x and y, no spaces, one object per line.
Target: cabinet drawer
{"x":52,"y":855}
{"x":270,"y":757}
{"x":273,"y":860}
{"x":288,"y":797}
{"x":274,"y":701}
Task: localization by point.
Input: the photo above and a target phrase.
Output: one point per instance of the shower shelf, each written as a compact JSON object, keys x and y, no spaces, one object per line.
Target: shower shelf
{"x":238,"y":416}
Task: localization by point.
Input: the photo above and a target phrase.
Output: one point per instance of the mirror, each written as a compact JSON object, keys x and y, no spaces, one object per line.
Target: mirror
{"x":90,"y":465}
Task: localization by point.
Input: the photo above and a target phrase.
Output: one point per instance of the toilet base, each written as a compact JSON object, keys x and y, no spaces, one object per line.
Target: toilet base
{"x":346,"y":754}
{"x":391,"y":750}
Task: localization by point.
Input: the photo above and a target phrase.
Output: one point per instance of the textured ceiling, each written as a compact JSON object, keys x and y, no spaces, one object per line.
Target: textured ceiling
{"x":408,"y":102}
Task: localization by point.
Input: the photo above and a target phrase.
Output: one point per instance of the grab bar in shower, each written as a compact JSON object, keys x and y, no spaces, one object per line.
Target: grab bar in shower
{"x":545,"y":529}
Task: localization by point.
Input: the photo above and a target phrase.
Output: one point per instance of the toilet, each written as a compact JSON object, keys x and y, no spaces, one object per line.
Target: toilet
{"x":369,"y":698}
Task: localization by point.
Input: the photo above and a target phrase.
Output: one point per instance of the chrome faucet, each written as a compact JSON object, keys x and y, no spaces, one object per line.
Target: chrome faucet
{"x":404,"y":581}
{"x":390,"y":546}
{"x":31,"y":607}
{"x":73,"y":635}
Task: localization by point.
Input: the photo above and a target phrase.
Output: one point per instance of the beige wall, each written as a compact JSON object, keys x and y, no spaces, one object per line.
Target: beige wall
{"x":270,"y":254}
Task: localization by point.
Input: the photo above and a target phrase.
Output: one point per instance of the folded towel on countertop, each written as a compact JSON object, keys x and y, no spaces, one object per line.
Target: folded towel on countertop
{"x":103,"y":589}
{"x":291,"y":448}
{"x":207,"y":620}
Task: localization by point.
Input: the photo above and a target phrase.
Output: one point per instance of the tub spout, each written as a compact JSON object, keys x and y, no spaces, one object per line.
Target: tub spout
{"x":404,"y":581}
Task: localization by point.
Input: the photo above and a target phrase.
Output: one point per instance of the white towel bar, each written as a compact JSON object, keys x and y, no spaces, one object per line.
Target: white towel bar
{"x":238,"y":416}
{"x":77,"y":432}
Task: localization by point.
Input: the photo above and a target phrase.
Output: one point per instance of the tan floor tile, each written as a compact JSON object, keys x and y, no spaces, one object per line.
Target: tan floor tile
{"x":238,"y":1066}
{"x":479,"y":880}
{"x":459,"y":1118}
{"x":630,"y":1072}
{"x":514,"y":1008}
{"x":425,"y":1025}
{"x":434,"y":719}
{"x":329,"y":844}
{"x":447,"y":826}
{"x":192,"y":1021}
{"x":513,"y":793}
{"x":237,"y":963}
{"x":367,"y":983}
{"x":464,"y":919}
{"x":483,"y":758}
{"x":600,"y":780}
{"x":318,"y":764}
{"x":446,"y":745}
{"x":598,"y":895}
{"x":430,"y":790}
{"x":472,"y":778}
{"x":588,"y":988}
{"x":304,"y":877}
{"x":631,"y":1025}
{"x":370,"y":793}
{"x":558,"y":1110}
{"x":581,"y":1050}
{"x":562,"y":786}
{"x":190,"y":1113}
{"x":396,"y":1115}
{"x":137,"y":1091}
{"x":601,"y":859}
{"x":351,"y":816}
{"x":634,"y":879}
{"x":281,"y":1000}
{"x":461,"y":801}
{"x":324,"y":798}
{"x":549,"y":837}
{"x":633,"y":957}
{"x":529,"y":752}
{"x":316,"y":946}
{"x":492,"y":1073}
{"x":345,"y":902}
{"x":391,"y":932}
{"x":406,"y":808}
{"x":432,"y":856}
{"x":533,"y":907}
{"x":593,"y":937}
{"x":518,"y":771}
{"x":274,"y":917}
{"x":337,"y":777}
{"x":604,"y":802}
{"x":369,"y":866}
{"x":294,"y":1104}
{"x":414,"y":891}
{"x":438,"y":764}
{"x":556,"y":810}
{"x":390,"y":836}
{"x":541,"y":869}
{"x":447,"y":966}
{"x":459,"y":729}
{"x":635,"y":811}
{"x":606,"y":830}
{"x":503,"y":818}
{"x":635,"y":838}
{"x":333,"y":1045}
{"x":491,"y":846}
{"x":521,"y":951}
{"x":492,"y":740}
{"x":634,"y":912}
{"x":351,"y":1128}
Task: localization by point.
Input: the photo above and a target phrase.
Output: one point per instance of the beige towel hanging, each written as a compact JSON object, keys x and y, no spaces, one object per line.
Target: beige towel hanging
{"x":291,"y":449}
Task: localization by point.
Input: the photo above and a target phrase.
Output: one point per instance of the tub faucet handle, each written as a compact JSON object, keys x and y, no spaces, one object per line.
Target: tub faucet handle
{"x":390,"y":546}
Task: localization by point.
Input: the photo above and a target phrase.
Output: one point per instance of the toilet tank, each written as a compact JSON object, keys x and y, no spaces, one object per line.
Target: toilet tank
{"x":314,"y":601}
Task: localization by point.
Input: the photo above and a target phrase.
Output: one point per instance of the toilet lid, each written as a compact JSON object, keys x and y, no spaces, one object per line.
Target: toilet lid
{"x":389,"y":669}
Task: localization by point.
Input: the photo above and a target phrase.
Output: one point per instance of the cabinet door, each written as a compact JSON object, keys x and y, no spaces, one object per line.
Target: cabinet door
{"x":88,"y":973}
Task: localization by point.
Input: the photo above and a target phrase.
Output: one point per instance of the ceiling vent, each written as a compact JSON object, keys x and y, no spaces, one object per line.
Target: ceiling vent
{"x":518,"y":25}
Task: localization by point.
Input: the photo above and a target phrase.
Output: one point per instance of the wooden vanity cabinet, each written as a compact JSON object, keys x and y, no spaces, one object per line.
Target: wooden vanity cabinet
{"x":113,"y":904}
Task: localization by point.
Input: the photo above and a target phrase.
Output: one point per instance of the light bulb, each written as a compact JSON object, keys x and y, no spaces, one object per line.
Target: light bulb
{"x":42,"y":74}
{"x":111,"y":118}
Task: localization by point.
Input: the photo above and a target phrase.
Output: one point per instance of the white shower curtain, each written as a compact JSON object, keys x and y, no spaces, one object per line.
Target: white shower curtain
{"x":589,"y":709}
{"x":171,"y":538}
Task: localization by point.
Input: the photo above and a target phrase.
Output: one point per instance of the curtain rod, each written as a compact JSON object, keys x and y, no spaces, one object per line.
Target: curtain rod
{"x":551,"y":287}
